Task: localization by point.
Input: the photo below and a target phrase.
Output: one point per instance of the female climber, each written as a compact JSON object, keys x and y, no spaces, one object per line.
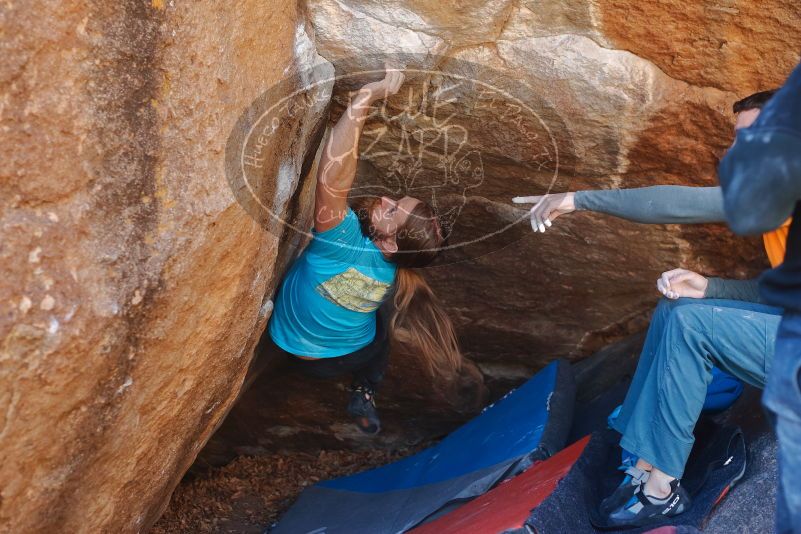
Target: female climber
{"x":328,"y":315}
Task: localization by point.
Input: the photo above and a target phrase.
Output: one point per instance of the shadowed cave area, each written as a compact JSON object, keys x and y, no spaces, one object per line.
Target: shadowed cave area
{"x":582,"y":291}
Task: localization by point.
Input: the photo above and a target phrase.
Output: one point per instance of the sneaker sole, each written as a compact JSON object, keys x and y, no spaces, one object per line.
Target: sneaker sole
{"x":733,"y":483}
{"x":364,"y":425}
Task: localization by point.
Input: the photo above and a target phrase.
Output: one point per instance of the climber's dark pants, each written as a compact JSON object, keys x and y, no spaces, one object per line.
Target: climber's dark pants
{"x":367,"y":365}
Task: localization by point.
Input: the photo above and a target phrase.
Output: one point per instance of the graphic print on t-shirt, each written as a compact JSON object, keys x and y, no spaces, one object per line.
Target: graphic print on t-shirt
{"x":354,"y":291}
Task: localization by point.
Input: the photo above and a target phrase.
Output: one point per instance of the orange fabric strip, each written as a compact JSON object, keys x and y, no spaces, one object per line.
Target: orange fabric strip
{"x":776,"y":243}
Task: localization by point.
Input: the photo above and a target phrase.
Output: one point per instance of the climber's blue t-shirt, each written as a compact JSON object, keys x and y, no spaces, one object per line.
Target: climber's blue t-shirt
{"x":327,"y":302}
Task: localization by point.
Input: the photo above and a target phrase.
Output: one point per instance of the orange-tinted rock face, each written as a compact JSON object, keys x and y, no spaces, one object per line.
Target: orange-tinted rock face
{"x":133,"y":282}
{"x":740,"y":47}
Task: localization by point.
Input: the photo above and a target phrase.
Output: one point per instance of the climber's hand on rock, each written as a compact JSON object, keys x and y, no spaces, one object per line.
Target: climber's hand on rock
{"x":682,"y":283}
{"x":390,"y":85}
{"x":547,"y":208}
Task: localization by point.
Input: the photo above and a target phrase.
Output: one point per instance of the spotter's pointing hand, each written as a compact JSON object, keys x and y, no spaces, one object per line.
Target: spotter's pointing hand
{"x":547,"y":208}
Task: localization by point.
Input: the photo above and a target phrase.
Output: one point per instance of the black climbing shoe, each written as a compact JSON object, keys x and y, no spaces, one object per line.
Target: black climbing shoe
{"x":631,"y":485}
{"x":362,"y":408}
{"x":641,"y":510}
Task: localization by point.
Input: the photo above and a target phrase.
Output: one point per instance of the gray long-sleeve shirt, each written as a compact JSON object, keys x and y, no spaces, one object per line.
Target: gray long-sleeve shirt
{"x":659,"y":204}
{"x":670,"y":204}
{"x":720,"y":288}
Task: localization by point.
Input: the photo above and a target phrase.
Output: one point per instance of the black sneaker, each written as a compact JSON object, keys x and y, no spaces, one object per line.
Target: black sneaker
{"x":631,"y":485}
{"x":641,"y":510}
{"x":362,"y":408}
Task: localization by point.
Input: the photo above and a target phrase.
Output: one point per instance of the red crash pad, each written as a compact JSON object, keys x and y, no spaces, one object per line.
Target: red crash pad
{"x":509,"y":505}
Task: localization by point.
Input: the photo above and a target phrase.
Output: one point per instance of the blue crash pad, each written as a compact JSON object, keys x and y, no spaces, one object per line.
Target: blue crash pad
{"x":529,"y":423}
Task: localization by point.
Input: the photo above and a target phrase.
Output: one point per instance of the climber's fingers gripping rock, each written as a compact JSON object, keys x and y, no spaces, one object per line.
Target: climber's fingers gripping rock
{"x":391,"y":84}
{"x":547,"y":208}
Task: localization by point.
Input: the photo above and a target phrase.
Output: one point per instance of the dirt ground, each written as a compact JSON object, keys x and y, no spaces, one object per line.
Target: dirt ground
{"x":251,"y":492}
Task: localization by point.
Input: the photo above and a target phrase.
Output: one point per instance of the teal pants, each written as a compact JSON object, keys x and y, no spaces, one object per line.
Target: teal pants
{"x":685,"y":340}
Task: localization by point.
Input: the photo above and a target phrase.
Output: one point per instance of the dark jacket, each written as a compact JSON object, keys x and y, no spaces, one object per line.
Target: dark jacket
{"x":761,"y":181}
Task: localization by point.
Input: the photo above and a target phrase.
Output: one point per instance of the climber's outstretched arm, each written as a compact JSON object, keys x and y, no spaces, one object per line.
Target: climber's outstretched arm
{"x":338,"y":162}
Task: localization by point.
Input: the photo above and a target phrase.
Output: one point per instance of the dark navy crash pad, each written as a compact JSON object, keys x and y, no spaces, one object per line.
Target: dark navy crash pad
{"x":529,"y":424}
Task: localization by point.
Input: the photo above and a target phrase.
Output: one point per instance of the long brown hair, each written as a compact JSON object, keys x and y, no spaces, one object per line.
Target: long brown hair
{"x":420,"y":320}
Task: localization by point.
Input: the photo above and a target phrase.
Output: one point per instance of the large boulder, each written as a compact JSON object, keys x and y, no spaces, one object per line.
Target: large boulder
{"x":556,"y":96}
{"x":134,"y":282}
{"x":511,"y":98}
